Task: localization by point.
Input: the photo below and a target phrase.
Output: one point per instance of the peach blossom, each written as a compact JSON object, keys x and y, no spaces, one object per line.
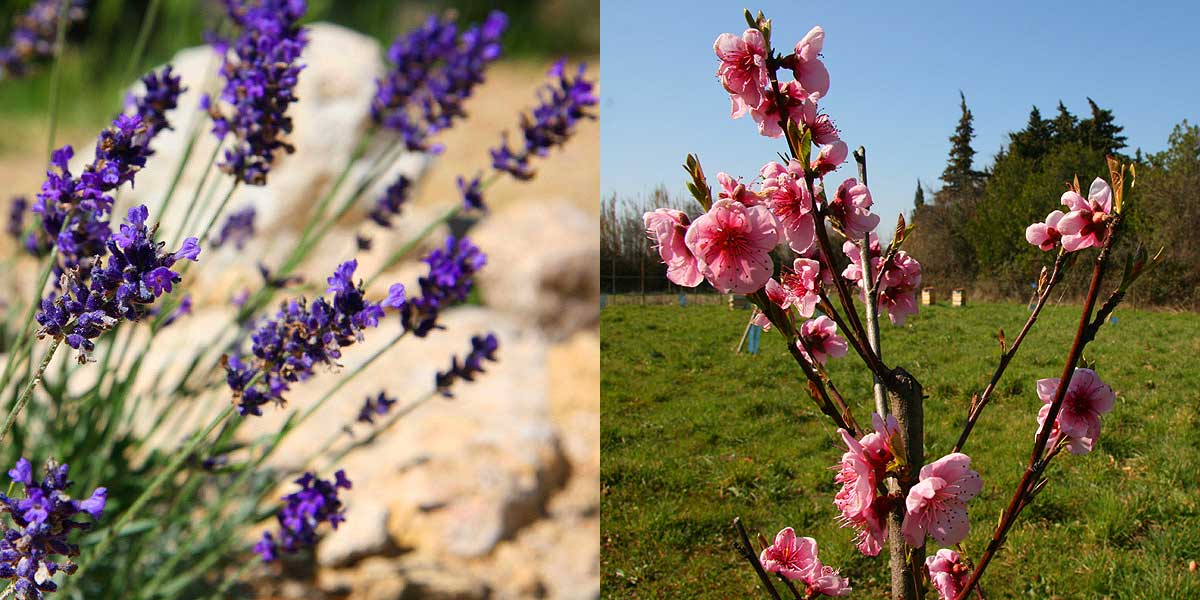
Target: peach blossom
{"x":947,"y":573}
{"x":1085,"y":224}
{"x":1078,"y":418}
{"x":807,"y":66}
{"x":792,"y":206}
{"x":1045,"y":235}
{"x":820,"y":336}
{"x":743,"y":69}
{"x":851,"y":207}
{"x":937,"y":504}
{"x":732,"y":244}
{"x":668,"y":227}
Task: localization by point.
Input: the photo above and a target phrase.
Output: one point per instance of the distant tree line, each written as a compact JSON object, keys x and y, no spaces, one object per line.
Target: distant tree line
{"x":971,"y":230}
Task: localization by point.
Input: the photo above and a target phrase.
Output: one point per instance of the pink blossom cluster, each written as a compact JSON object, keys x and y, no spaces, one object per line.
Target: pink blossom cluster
{"x":744,"y":71}
{"x":1078,"y":419}
{"x":947,"y":572}
{"x":730,"y":245}
{"x":937,"y":505}
{"x":1081,"y":227}
{"x":795,"y":558}
{"x":899,"y":283}
{"x":862,"y":469}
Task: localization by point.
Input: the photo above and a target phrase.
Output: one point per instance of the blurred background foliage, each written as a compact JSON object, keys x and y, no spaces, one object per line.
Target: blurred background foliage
{"x":99,"y":48}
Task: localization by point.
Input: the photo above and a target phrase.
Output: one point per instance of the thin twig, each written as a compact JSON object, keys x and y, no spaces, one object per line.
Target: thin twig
{"x":747,"y":552}
{"x":978,"y":404}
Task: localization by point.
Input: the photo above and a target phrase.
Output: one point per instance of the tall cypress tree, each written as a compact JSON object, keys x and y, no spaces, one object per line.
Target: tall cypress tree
{"x":959,"y":176}
{"x":919,"y":197}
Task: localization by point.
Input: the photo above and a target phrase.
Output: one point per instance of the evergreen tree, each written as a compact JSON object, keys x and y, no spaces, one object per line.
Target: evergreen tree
{"x":1101,"y":132}
{"x":1035,"y":140}
{"x":959,"y":176}
{"x":1064,"y":127}
{"x":919,"y":197}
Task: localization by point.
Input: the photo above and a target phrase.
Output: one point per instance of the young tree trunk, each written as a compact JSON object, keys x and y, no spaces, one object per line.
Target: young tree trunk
{"x":905,"y":402}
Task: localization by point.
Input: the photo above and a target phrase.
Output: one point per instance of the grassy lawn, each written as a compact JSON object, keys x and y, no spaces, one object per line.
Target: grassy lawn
{"x":693,"y":435}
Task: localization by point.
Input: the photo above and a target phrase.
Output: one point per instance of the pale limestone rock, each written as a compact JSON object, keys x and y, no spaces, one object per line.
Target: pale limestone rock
{"x":550,"y":279}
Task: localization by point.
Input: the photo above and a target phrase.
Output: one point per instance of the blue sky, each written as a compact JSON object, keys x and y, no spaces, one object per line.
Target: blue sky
{"x":896,"y":70}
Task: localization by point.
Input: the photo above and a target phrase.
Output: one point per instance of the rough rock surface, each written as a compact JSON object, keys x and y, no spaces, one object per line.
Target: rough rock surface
{"x":551,"y":277}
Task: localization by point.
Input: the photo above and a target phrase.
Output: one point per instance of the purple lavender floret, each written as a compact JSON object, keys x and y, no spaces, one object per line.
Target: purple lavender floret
{"x":375,"y":406}
{"x":564,"y":102}
{"x":83,"y":203}
{"x":162,"y":94}
{"x":260,"y":69}
{"x":302,"y":512}
{"x":238,"y":229}
{"x":184,"y":309}
{"x":389,"y":205}
{"x":472,"y":193}
{"x":451,"y":275}
{"x":482,"y":348}
{"x":434,"y":70}
{"x":120,"y":286}
{"x":288,"y":348}
{"x":34,"y":35}
{"x":42,"y":522}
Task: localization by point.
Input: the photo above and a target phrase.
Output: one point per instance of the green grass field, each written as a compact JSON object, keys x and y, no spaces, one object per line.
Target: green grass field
{"x":694,"y":435}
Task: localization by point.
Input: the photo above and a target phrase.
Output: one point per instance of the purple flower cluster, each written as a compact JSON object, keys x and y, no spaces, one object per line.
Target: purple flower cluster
{"x":34,"y":35}
{"x":451,"y":274}
{"x":118,"y":287}
{"x":564,"y":102}
{"x":260,"y":70}
{"x":302,"y":512}
{"x":75,"y":210}
{"x":375,"y":406}
{"x":435,"y":69}
{"x":162,"y":94}
{"x":482,"y":348}
{"x":286,"y":349}
{"x":389,"y":205}
{"x":238,"y":229}
{"x":42,"y":524}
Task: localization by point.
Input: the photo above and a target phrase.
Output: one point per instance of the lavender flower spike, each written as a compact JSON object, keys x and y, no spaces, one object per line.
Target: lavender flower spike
{"x":564,"y":102}
{"x":375,"y":406}
{"x":119,"y":287}
{"x":302,"y":336}
{"x":450,"y":279}
{"x":238,"y":229}
{"x":42,"y":524}
{"x":260,"y":69}
{"x":302,"y":512}
{"x":434,"y":70}
{"x":482,"y":348}
{"x":34,"y":35}
{"x":161,"y":95}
